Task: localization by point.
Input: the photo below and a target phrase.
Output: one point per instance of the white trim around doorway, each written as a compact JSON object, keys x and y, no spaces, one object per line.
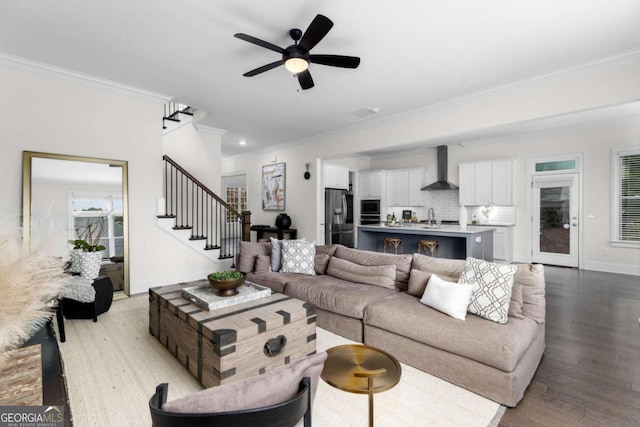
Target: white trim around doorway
{"x":531,"y":172}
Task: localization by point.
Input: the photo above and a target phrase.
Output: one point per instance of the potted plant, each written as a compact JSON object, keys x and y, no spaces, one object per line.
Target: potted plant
{"x":88,"y":247}
{"x":226,"y":282}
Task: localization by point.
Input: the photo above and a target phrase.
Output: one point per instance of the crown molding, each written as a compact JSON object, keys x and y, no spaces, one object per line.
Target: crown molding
{"x":209,"y":129}
{"x":27,"y":65}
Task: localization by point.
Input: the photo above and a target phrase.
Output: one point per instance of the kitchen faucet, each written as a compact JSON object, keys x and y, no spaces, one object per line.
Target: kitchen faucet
{"x":431,"y":215}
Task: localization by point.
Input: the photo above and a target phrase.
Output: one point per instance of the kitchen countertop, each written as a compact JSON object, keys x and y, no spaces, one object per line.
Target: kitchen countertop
{"x":418,"y":228}
{"x":454,"y":242}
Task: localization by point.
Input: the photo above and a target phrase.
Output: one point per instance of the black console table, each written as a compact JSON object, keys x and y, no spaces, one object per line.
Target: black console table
{"x":261,"y":229}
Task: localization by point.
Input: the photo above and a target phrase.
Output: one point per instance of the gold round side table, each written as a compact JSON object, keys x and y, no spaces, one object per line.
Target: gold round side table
{"x":361,"y":369}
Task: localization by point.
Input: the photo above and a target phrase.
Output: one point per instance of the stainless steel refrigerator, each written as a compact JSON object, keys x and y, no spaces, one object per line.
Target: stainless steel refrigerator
{"x":338,"y":217}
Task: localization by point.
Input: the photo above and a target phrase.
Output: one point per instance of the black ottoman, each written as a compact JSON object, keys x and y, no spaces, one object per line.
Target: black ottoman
{"x":73,"y":309}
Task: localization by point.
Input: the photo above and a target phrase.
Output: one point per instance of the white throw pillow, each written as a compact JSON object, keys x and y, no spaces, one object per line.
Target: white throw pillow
{"x":298,"y":257}
{"x":492,"y":285}
{"x":448,"y":297}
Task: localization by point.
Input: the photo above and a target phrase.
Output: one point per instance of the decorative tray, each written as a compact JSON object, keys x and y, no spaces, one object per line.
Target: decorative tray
{"x":206,"y":297}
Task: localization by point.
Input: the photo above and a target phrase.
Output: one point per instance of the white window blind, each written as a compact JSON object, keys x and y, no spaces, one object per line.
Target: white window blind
{"x":628,"y":195}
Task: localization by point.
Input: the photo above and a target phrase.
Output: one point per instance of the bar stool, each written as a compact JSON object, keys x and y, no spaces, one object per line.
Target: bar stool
{"x":396,"y":242}
{"x":432,"y":245}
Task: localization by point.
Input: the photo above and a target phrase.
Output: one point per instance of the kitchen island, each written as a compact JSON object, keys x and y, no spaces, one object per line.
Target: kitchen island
{"x":455,"y":242}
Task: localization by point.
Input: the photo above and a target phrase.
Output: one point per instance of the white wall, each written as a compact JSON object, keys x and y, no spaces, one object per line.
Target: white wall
{"x":562,"y":94}
{"x":54,"y":115}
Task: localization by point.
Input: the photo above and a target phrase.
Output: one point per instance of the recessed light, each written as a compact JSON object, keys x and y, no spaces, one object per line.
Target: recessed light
{"x":242,"y":142}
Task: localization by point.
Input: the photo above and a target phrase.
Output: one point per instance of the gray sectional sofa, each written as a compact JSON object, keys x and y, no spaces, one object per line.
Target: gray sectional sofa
{"x":372,"y":298}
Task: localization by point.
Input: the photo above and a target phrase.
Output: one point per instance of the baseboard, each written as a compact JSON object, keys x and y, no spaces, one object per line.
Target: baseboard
{"x":144,"y":286}
{"x":607,"y":267}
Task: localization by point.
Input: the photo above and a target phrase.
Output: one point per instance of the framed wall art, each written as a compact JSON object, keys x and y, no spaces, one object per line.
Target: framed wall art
{"x":273,"y":187}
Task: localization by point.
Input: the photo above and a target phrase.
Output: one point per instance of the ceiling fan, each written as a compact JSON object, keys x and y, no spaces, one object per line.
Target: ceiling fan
{"x":296,"y":58}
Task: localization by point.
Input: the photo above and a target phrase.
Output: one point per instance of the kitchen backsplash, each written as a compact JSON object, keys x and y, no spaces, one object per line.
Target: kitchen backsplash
{"x":446,"y":205}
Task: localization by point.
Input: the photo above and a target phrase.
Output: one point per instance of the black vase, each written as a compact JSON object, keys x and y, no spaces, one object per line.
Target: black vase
{"x":283,"y":221}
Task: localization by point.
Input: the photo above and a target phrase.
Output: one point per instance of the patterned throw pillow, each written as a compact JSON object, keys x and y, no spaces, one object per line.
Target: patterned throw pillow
{"x":298,"y":257}
{"x":492,"y":285}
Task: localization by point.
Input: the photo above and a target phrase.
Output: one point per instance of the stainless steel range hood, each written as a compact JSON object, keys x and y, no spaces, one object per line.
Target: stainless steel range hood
{"x":441,"y":183}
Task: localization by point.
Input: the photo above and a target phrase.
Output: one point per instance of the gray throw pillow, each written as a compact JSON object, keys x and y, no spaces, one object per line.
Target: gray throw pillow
{"x":268,"y":389}
{"x":276,"y":254}
{"x":263,"y":264}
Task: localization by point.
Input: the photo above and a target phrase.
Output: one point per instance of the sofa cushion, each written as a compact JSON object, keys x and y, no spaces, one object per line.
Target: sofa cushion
{"x":500,"y":346}
{"x":530,"y":277}
{"x":268,"y":389}
{"x":378,"y":275}
{"x":358,"y":256}
{"x":450,"y":298}
{"x":263,"y":264}
{"x":321,"y":261}
{"x":447,"y":269}
{"x":298,"y":257}
{"x":450,"y":270}
{"x":327,"y":249}
{"x":492,"y":285}
{"x":275,"y":281}
{"x":336,"y":295}
{"x":248,"y":252}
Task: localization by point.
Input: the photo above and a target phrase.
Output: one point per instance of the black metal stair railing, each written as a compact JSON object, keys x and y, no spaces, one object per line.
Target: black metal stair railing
{"x":195,"y":207}
{"x":172,"y":111}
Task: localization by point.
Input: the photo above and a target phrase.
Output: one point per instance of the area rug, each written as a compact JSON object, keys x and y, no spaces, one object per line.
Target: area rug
{"x":113,"y":366}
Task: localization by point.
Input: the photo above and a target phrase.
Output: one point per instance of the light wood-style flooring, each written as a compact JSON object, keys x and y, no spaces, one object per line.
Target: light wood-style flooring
{"x":590,"y":372}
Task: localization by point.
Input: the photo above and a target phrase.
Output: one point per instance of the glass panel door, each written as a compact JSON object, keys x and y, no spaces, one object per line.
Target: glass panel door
{"x":555,"y":220}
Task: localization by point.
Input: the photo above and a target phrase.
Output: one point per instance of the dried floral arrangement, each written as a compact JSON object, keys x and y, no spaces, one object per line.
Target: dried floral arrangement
{"x":30,"y":282}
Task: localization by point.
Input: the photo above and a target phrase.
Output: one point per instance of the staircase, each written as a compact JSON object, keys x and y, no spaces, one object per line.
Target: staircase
{"x":175,"y":116}
{"x":207,"y":222}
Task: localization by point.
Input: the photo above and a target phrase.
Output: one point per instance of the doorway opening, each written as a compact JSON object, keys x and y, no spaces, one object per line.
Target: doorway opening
{"x":556,"y":211}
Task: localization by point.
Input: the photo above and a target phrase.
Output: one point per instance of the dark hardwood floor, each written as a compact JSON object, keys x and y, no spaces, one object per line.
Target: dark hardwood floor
{"x":590,"y":371}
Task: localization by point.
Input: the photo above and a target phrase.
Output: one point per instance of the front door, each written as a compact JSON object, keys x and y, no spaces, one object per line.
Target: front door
{"x":555,"y":219}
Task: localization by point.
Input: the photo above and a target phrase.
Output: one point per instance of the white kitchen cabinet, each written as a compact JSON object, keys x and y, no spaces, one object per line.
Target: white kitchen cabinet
{"x":486,"y":183}
{"x":502,"y":183}
{"x":466,"y":180}
{"x":403,"y":187}
{"x":503,"y":243}
{"x":335,"y":176}
{"x":397,"y":188}
{"x":371,"y":184}
{"x":416,"y":178}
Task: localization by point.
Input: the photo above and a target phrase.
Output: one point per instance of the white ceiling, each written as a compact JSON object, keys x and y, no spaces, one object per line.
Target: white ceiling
{"x":415,"y":53}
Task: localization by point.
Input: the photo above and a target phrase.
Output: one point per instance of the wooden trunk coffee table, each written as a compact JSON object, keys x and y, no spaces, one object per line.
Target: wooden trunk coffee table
{"x":228,"y":344}
{"x":358,"y":368}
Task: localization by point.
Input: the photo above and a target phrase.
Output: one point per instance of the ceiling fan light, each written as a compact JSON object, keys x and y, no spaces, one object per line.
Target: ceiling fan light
{"x":296,"y":65}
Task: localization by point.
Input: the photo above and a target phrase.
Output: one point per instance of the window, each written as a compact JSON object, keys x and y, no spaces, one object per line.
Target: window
{"x":626,"y":217}
{"x":98,"y":217}
{"x":237,"y":199}
{"x":235,"y":190}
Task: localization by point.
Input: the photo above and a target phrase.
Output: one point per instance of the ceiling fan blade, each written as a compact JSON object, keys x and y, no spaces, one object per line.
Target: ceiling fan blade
{"x":306,"y":82}
{"x":318,"y":28}
{"x":259,"y":42}
{"x":336,"y":60}
{"x":263,"y":68}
